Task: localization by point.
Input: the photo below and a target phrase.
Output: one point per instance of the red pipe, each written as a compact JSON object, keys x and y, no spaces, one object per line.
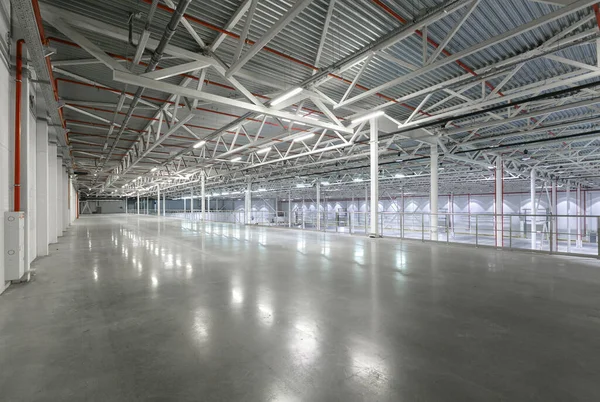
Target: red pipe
{"x":18,"y":86}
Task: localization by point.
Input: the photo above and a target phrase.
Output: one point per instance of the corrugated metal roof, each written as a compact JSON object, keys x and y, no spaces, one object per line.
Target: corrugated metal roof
{"x":354,"y":25}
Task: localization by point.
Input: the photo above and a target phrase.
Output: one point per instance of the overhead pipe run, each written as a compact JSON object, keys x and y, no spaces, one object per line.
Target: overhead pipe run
{"x":156,"y":57}
{"x":17,"y":150}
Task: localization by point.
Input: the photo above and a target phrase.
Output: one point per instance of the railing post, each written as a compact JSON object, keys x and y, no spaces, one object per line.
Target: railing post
{"x":476,"y":230}
{"x":423,"y":227}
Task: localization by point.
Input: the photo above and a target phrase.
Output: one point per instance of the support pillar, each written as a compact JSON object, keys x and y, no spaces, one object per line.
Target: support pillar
{"x":147,"y":201}
{"x":203,"y":195}
{"x":138,"y":203}
{"x":318,"y":204}
{"x":192,"y":202}
{"x":42,"y":181}
{"x":248,"y":204}
{"x":157,"y":201}
{"x":533,"y":211}
{"x":59,"y":197}
{"x":289,"y":207}
{"x":164,"y":204}
{"x":433,"y":195}
{"x":579,"y":242}
{"x":52,"y":194}
{"x":554,"y":209}
{"x":568,"y":216}
{"x":374,"y":175}
{"x":499,"y":202}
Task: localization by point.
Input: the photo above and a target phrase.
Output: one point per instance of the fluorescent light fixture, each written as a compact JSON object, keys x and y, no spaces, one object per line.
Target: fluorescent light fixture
{"x":325,"y":183}
{"x":139,"y":177}
{"x":399,"y":175}
{"x":224,"y":193}
{"x":491,"y":167}
{"x":199,"y":144}
{"x":526,"y":158}
{"x":358,"y":179}
{"x":95,"y":174}
{"x":304,"y":137}
{"x":299,"y":123}
{"x":368,"y":116}
{"x":154,"y":169}
{"x":310,"y":117}
{"x":286,"y":96}
{"x":262,"y":189}
{"x":300,"y":185}
{"x":263,"y":150}
{"x":236,"y":159}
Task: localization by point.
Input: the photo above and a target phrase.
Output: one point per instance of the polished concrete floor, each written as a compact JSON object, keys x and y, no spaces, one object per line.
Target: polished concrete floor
{"x":150,"y":309}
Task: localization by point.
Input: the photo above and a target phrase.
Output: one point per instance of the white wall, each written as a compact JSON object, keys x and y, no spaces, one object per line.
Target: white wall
{"x":6,"y":136}
{"x":48,"y":204}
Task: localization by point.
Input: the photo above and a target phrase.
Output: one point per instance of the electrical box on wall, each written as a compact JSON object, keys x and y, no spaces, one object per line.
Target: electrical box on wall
{"x":14,"y":245}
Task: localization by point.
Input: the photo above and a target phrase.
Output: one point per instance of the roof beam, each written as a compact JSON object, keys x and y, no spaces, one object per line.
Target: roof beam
{"x":85,"y":43}
{"x":128,"y":78}
{"x":474,"y":49}
{"x":453,"y":32}
{"x":242,"y":41}
{"x":281,"y":23}
{"x":176,"y":70}
{"x":235,"y":18}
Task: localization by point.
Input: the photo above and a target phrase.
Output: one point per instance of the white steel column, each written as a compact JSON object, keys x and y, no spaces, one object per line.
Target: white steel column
{"x":318,"y":204}
{"x":147,"y":207}
{"x":374,"y":175}
{"x":533,"y":211}
{"x":554,"y":210}
{"x":433,"y":196}
{"x":52,"y":194}
{"x":42,"y":182}
{"x":164,"y":204}
{"x":157,"y":201}
{"x":248,"y":203}
{"x":568,"y":216}
{"x":203,"y":195}
{"x":191,"y":202}
{"x":184,"y":205}
{"x":579,"y":242}
{"x":499,"y":202}
{"x":138,"y":203}
{"x":290,"y":207}
{"x":59,"y":197}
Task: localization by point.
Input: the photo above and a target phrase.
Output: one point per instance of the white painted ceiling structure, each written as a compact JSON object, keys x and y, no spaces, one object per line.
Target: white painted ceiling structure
{"x":272,"y":92}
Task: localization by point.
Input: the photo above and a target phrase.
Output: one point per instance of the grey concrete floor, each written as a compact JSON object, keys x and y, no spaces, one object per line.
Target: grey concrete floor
{"x":129,"y":308}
